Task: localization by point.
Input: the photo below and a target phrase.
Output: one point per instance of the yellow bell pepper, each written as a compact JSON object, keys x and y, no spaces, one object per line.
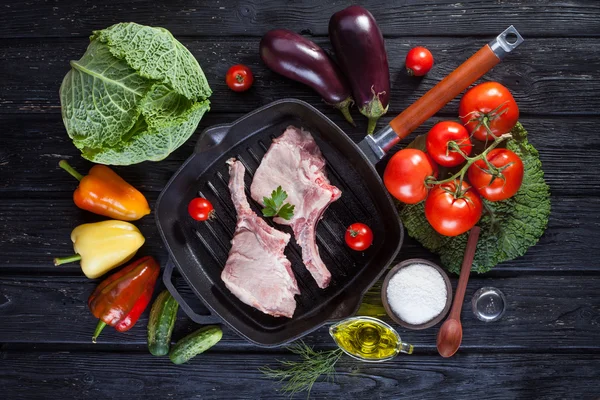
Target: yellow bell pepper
{"x":102,"y":246}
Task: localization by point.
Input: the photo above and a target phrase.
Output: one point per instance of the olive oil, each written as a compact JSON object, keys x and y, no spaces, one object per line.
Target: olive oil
{"x":368,"y":339}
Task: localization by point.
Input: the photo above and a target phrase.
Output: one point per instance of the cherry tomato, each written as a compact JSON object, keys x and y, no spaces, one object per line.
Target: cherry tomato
{"x":200,"y":209}
{"x":405,"y":175}
{"x":438,"y":139}
{"x":419,"y":61}
{"x":239,"y":78}
{"x":488,"y":104}
{"x":451,"y":211}
{"x":500,"y":183}
{"x":359,"y":236}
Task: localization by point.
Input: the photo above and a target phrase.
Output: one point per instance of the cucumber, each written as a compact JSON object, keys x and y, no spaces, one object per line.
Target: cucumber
{"x":161,"y":323}
{"x":195,"y":343}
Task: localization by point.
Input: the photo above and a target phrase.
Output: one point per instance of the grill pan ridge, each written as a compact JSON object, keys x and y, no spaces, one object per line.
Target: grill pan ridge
{"x":199,"y":250}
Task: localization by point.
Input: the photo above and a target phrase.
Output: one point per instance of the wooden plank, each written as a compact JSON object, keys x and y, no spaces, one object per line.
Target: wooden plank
{"x":42,"y":226}
{"x":546,"y":345}
{"x":255,"y":17}
{"x":32,"y":145}
{"x":541,"y":309}
{"x":212,"y":375}
{"x":546,"y":76}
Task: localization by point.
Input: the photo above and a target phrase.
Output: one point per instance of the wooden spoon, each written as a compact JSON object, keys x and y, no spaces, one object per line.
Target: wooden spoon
{"x":450,"y":334}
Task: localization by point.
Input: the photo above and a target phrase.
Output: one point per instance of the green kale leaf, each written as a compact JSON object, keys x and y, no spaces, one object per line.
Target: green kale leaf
{"x":508,"y":228}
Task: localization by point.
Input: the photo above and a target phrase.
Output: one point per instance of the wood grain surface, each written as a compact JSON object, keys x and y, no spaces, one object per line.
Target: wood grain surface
{"x":136,"y":374}
{"x":406,"y":18}
{"x":40,"y":308}
{"x":546,"y":76}
{"x":545,"y":347}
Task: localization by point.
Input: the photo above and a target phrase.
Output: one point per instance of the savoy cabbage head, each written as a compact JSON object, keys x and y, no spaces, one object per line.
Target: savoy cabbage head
{"x":137,"y":94}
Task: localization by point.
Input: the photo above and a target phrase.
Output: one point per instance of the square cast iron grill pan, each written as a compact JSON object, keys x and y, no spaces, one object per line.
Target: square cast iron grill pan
{"x":199,"y":249}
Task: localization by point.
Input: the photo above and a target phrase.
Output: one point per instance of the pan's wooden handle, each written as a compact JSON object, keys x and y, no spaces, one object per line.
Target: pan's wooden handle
{"x":450,"y":87}
{"x":375,"y":146}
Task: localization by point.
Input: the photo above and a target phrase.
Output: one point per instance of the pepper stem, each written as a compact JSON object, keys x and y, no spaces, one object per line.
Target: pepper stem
{"x":99,"y":327}
{"x":66,"y":260}
{"x":65,"y":165}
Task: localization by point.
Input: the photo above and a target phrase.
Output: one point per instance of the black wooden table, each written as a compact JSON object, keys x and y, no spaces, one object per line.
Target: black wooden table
{"x":547,"y":344}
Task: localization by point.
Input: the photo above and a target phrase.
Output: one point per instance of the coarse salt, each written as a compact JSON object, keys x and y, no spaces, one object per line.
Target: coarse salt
{"x":417,"y":293}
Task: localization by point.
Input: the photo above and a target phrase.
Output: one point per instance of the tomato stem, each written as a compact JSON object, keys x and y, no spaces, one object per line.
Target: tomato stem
{"x":453,"y":146}
{"x":460,"y":182}
{"x":484,"y":118}
{"x":212,"y":215}
{"x":470,"y":160}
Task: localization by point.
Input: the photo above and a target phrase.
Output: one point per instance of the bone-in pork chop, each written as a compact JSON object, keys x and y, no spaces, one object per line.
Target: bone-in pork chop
{"x":257,"y":272}
{"x":295,"y":163}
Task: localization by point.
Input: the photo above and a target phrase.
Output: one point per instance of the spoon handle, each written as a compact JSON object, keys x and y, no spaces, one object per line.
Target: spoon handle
{"x":465,"y":270}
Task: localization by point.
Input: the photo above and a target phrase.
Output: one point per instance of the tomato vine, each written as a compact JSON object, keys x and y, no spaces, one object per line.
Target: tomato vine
{"x":432,"y":181}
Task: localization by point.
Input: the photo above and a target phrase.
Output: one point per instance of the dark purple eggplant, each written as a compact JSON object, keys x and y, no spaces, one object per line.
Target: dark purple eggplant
{"x":359,"y":49}
{"x":297,"y":58}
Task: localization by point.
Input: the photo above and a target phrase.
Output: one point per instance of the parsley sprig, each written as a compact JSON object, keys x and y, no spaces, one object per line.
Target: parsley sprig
{"x":274,"y":205}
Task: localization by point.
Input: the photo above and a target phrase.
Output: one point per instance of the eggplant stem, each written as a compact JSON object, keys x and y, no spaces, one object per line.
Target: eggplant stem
{"x":344,"y":107}
{"x":66,"y":260}
{"x":372,"y":124}
{"x":373,"y":110}
{"x":346,"y":113}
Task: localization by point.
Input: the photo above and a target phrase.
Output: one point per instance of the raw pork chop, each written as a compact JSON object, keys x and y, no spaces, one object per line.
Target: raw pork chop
{"x":295,"y":163}
{"x":257,"y":272}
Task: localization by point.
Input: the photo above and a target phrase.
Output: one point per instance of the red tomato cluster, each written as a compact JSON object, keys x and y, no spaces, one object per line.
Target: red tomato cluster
{"x":487,"y":111}
{"x":406,"y":174}
{"x":452,"y":208}
{"x":438,"y":140}
{"x":488,"y":105}
{"x":502,"y":185}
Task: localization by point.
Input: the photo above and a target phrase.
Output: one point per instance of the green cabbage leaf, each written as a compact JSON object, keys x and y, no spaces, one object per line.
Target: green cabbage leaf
{"x":508,"y":228}
{"x":137,"y":94}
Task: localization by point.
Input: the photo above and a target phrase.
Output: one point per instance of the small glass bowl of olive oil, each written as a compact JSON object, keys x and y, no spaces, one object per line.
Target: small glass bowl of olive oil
{"x":368,"y":339}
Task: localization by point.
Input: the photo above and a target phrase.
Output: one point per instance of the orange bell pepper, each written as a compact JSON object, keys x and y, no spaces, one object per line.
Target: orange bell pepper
{"x":104,"y":192}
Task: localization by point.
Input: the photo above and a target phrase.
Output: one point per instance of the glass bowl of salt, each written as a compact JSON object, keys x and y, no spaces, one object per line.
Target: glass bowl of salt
{"x":416,"y":293}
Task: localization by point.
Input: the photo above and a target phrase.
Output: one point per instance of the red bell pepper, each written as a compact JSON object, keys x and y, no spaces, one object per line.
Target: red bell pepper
{"x":122,"y":297}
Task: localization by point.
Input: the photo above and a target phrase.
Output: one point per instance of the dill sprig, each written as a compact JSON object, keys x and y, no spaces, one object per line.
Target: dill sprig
{"x":301,"y":375}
